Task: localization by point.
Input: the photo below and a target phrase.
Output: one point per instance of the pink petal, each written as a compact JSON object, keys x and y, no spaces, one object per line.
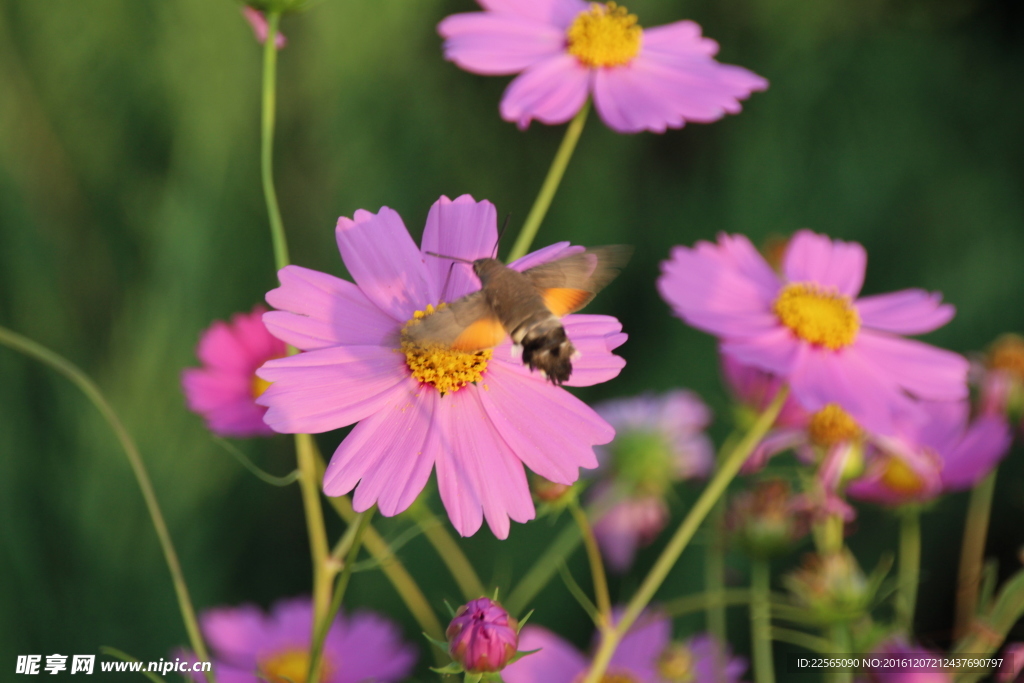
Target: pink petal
{"x":978,"y":453}
{"x":261,"y":28}
{"x":551,"y":91}
{"x":320,"y":390}
{"x":643,"y":644}
{"x":234,"y":633}
{"x":389,"y":454}
{"x":495,"y":44}
{"x":219,"y":347}
{"x":680,"y":37}
{"x":369,"y":648}
{"x":552,"y":252}
{"x":595,"y":337}
{"x":557,"y":661}
{"x":319,"y":310}
{"x":476,"y":470}
{"x":831,"y":263}
{"x":775,"y":442}
{"x":385,"y":262}
{"x":549,"y":429}
{"x":725,"y":289}
{"x":558,"y":13}
{"x":923,"y":370}
{"x":463,"y":229}
{"x":910,"y":311}
{"x":775,"y":351}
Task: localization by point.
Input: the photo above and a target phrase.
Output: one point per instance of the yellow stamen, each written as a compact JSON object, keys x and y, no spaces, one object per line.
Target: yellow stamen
{"x":901,"y":478}
{"x":1007,"y":354}
{"x":832,"y":425}
{"x":817,"y":315}
{"x":604,"y":35}
{"x":259,"y":385}
{"x":290,"y":666}
{"x":445,"y":368}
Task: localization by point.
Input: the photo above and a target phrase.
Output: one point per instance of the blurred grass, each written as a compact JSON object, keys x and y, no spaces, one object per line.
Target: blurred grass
{"x":131,"y":216}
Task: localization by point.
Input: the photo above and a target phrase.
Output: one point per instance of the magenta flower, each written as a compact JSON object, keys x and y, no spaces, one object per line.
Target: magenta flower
{"x":645,"y":655}
{"x":1012,"y":670}
{"x":808,"y":327}
{"x":898,"y":649}
{"x":225,"y":389}
{"x":252,"y":647}
{"x":568,"y":50}
{"x":478,"y":416}
{"x":947,"y":452}
{"x":260,"y":28}
{"x":659,"y":440}
{"x":482,"y":637}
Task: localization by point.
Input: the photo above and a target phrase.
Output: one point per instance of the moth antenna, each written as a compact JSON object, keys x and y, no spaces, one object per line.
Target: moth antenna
{"x":447,"y":281}
{"x":451,"y":258}
{"x":494,"y":252}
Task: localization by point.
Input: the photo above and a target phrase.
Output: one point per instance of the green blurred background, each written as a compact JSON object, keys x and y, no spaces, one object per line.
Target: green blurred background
{"x":131,"y":216}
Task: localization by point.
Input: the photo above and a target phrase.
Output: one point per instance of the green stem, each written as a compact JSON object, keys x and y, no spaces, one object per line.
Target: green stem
{"x":361,"y":523}
{"x":714,"y":574}
{"x":972,"y":553}
{"x":761,"y":621}
{"x":550,"y":186}
{"x":309,"y":483}
{"x":712,"y":492}
{"x":801,"y":639}
{"x":604,"y":602}
{"x":839,"y":637}
{"x":267,"y":141}
{"x":910,"y":568}
{"x":543,"y":569}
{"x":30,"y":348}
{"x":449,"y":551}
{"x":689,"y":604}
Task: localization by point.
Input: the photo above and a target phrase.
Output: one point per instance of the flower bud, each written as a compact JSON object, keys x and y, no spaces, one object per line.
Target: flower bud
{"x":831,"y":584}
{"x":482,"y":637}
{"x":766,"y":521}
{"x":547,"y":491}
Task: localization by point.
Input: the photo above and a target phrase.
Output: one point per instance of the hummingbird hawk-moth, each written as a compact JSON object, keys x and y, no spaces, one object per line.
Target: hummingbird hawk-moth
{"x":527,"y":306}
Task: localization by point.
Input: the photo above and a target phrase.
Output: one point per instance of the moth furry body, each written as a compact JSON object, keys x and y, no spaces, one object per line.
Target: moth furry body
{"x":526,"y":306}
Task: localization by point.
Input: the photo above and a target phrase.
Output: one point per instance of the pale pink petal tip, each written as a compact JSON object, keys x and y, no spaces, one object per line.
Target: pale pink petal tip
{"x":224,"y":390}
{"x":261,"y":28}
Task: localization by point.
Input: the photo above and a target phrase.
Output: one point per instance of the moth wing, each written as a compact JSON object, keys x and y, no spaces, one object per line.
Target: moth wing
{"x":468,"y":324}
{"x":568,"y":284}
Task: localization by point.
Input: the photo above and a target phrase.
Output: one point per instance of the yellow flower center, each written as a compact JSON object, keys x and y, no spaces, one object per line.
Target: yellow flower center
{"x":901,"y":478}
{"x":676,"y":664}
{"x":610,"y":677}
{"x":604,"y":35}
{"x":820,"y":316}
{"x":258,"y":386}
{"x":445,"y":368}
{"x":832,"y":425}
{"x":1007,"y":354}
{"x":290,"y":666}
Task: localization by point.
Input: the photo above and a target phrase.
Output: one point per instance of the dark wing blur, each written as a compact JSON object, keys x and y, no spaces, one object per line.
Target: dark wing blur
{"x":568,"y":284}
{"x":468,"y":324}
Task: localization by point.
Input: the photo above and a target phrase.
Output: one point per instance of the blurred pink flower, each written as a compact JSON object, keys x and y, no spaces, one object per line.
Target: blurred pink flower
{"x":249,"y":646}
{"x":567,"y":50}
{"x":808,"y":327}
{"x":260,"y":28}
{"x":947,"y":452}
{"x":1012,"y":670}
{"x":479,"y":419}
{"x":645,"y":655}
{"x":898,"y":649}
{"x":225,"y":389}
{"x":659,"y":440}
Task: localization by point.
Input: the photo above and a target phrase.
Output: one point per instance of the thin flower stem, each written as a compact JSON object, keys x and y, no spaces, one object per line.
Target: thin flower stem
{"x":267,"y":140}
{"x":839,"y":644}
{"x":543,"y":569}
{"x":360,"y":524}
{"x":30,"y":348}
{"x":801,"y":639}
{"x":731,"y":465}
{"x":309,"y":483}
{"x":761,"y":621}
{"x":449,"y":551}
{"x":714,"y":574}
{"x":604,"y":601}
{"x":550,"y":186}
{"x":910,"y":567}
{"x":689,"y":604}
{"x":972,"y":553}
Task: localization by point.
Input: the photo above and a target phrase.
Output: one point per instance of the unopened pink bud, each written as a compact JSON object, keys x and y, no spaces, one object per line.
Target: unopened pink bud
{"x":482,"y":637}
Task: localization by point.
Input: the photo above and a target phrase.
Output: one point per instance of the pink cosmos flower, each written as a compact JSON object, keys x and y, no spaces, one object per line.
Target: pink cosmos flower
{"x":252,"y":647}
{"x":261,"y":28}
{"x":225,"y":389}
{"x":568,"y":50}
{"x":479,"y":417}
{"x":947,"y":452}
{"x":898,"y":649}
{"x":645,"y":655}
{"x":808,"y":326}
{"x":659,"y":440}
{"x":1012,"y":670}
